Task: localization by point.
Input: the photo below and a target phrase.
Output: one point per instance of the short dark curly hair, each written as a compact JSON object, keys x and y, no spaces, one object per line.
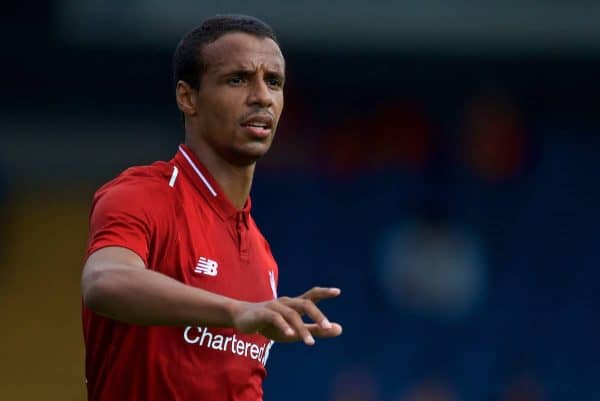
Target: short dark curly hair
{"x":188,"y":62}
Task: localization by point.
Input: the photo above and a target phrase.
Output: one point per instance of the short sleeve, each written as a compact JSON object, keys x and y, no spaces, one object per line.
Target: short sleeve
{"x":121,"y":217}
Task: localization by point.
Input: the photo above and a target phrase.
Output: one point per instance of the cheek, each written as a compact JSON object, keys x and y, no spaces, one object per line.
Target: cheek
{"x":221,"y":105}
{"x":279,"y":106}
{"x":220,"y":108}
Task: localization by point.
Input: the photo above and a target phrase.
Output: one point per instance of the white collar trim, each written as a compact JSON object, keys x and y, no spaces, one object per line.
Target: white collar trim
{"x":202,"y":177}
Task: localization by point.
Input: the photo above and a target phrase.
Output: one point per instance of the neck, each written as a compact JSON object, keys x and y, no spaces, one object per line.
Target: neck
{"x":235,"y":181}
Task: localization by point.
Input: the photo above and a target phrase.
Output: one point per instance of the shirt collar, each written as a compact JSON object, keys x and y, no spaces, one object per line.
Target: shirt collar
{"x":205,"y":183}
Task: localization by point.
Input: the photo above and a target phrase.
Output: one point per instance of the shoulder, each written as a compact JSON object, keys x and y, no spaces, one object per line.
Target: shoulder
{"x":140,"y":180}
{"x":140,"y":187}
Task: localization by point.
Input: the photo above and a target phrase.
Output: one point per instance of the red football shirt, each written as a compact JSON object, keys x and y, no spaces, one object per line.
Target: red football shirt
{"x":175,"y":217}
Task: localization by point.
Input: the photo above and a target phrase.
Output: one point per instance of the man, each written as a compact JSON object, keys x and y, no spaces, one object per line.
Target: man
{"x":179,"y":287}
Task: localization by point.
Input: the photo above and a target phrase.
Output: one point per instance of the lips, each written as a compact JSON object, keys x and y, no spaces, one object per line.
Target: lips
{"x":258,"y":125}
{"x":259,"y":120}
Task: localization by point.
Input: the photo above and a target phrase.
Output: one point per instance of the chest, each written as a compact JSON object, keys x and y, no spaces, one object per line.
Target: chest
{"x":225,"y":256}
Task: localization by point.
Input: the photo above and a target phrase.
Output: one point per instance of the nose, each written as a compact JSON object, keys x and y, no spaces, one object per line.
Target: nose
{"x":260,"y":95}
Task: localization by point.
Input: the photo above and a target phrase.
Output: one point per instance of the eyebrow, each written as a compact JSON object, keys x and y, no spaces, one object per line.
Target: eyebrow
{"x":275,"y":74}
{"x":241,"y":70}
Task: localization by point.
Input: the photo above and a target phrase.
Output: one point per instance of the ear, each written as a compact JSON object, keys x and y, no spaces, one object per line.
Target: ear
{"x":187,"y":98}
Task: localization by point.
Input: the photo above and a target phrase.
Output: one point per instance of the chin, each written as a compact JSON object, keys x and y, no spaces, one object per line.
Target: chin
{"x":249,"y":154}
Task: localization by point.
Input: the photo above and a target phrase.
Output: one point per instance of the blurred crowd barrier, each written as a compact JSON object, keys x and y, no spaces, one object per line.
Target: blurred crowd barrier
{"x":43,"y":242}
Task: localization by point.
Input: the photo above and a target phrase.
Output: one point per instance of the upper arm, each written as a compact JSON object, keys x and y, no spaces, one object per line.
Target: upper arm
{"x":113,"y":256}
{"x":119,"y":218}
{"x":128,"y":215}
{"x":123,"y":224}
{"x":131,"y":214}
{"x":103,"y":261}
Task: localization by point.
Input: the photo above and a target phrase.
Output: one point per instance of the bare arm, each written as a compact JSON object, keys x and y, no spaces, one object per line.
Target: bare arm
{"x":115,"y":283}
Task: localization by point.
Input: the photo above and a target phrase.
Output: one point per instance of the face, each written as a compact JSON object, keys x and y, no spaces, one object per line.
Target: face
{"x":240,"y":100}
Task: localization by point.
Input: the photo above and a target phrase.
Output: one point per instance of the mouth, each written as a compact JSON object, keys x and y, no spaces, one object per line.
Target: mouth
{"x":259,"y":125}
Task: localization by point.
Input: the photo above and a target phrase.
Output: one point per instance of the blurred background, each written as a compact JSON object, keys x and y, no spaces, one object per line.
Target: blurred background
{"x":438,"y":161}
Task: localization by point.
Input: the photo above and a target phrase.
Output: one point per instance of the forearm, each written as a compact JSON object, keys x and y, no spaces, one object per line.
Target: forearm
{"x":145,"y":297}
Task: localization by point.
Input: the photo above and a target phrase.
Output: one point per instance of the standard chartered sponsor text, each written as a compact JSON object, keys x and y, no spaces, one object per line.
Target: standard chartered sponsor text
{"x":202,"y":337}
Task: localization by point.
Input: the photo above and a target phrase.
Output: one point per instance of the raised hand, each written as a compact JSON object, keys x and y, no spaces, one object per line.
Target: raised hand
{"x":281,"y":319}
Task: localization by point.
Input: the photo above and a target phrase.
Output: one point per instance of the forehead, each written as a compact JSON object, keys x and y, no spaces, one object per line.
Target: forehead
{"x":238,"y":49}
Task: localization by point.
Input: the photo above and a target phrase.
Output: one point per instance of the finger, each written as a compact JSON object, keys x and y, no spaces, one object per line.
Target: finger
{"x":294,"y":320}
{"x":275,"y":319}
{"x":320,"y":332}
{"x":306,"y":306}
{"x":316,"y":294}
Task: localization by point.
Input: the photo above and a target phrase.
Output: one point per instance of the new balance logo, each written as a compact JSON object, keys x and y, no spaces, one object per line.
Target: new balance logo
{"x":206,"y":266}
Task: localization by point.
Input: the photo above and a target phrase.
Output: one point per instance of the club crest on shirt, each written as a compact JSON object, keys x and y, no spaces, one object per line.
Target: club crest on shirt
{"x":206,"y":266}
{"x":273,"y":284}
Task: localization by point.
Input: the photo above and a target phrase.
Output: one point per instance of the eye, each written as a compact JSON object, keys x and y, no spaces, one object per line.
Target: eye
{"x":236,"y":80}
{"x":274,"y":82}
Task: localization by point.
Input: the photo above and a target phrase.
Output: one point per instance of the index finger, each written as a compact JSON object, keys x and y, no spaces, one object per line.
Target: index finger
{"x":316,"y":294}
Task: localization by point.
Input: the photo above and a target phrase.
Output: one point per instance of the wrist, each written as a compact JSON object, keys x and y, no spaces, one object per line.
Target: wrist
{"x":232,"y":310}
